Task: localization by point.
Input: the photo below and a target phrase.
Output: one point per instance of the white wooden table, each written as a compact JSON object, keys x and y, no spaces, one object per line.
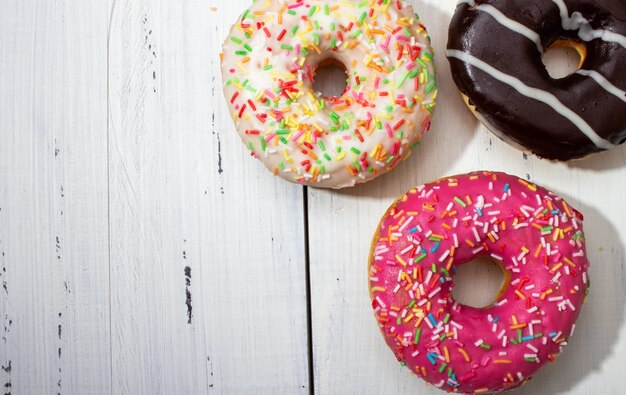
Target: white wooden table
{"x":143,"y":251}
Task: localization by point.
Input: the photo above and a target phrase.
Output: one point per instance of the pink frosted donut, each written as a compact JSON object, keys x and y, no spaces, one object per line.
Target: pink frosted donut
{"x":538,"y":241}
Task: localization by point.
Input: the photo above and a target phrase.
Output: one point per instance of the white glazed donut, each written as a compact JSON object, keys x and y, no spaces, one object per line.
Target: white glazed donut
{"x":269,"y":62}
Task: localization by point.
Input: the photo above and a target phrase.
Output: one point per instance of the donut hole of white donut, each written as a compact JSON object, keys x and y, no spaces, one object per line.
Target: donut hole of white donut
{"x":564,"y":57}
{"x":330,"y":78}
{"x":479,"y":283}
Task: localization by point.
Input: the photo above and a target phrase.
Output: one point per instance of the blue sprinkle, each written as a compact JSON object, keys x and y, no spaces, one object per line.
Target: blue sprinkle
{"x":496,"y":319}
{"x":479,"y":211}
{"x":552,"y":334}
{"x":413,"y":230}
{"x":432,"y":358}
{"x":507,"y":187}
{"x":435,"y":248}
{"x":527,"y":338}
{"x":432,"y":319}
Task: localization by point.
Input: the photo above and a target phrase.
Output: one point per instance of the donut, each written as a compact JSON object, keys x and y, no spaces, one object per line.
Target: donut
{"x":495,"y":50}
{"x":536,"y":238}
{"x":269,"y":63}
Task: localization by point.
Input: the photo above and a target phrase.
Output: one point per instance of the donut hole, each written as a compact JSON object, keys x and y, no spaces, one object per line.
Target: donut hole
{"x":479,"y":283}
{"x":330,"y":78}
{"x":564,"y":57}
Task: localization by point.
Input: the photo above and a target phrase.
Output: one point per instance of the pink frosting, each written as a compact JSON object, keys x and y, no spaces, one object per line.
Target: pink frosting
{"x":535,"y":236}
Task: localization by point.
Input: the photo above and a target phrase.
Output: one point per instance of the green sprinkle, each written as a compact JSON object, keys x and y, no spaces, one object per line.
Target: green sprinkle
{"x":431,"y":87}
{"x":459,"y":201}
{"x":418,"y":334}
{"x":403,"y":79}
{"x":356,"y":34}
{"x":263,"y":144}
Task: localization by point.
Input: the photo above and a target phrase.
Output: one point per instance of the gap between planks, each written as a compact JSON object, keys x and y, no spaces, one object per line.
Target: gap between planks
{"x":309,"y":307}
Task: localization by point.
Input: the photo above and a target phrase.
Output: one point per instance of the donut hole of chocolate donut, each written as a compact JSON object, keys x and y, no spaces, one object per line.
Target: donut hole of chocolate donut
{"x":330,"y":78}
{"x":479,"y":283}
{"x":564,"y":57}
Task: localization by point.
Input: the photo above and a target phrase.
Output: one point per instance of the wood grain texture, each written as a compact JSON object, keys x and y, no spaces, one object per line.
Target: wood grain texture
{"x":195,"y":222}
{"x":153,"y":255}
{"x":54,"y":301}
{"x":350,"y":356}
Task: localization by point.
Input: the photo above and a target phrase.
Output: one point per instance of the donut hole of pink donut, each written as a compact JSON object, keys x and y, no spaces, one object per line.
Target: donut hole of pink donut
{"x":479,"y":283}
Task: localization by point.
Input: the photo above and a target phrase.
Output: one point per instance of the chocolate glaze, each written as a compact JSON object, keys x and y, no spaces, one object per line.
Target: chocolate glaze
{"x":524,"y":120}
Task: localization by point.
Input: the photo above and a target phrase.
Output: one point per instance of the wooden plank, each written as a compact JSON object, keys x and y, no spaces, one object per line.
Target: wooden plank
{"x":195,"y":222}
{"x":350,"y":354}
{"x":54,"y":301}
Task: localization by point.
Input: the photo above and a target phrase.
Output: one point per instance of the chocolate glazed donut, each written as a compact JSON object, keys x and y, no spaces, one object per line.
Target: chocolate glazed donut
{"x":495,"y":51}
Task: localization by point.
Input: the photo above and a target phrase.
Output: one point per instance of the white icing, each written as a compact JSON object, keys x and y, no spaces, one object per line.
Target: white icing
{"x":507,"y":22}
{"x":585,"y":31}
{"x":534,"y":93}
{"x":604,"y":83}
{"x":305,"y":109}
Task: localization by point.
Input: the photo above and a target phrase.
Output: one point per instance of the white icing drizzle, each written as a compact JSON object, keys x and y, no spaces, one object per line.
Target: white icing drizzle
{"x":604,"y":83}
{"x":585,"y":31}
{"x":533,"y":93}
{"x":507,"y":22}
